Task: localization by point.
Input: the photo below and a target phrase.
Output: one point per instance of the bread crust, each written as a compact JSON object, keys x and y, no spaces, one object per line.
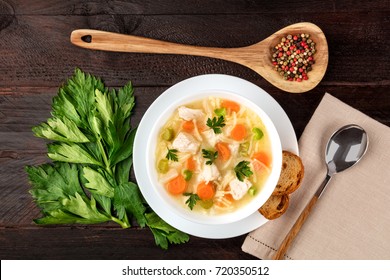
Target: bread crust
{"x":291,"y":175}
{"x":290,"y":180}
{"x":275,"y":206}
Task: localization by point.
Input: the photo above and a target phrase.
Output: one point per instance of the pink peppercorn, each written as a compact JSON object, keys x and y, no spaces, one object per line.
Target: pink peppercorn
{"x":292,"y":57}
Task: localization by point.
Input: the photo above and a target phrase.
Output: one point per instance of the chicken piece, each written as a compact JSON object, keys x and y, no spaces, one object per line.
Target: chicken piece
{"x":234,"y":147}
{"x":210,"y":173}
{"x":238,"y":189}
{"x":189,"y":114}
{"x":185,"y":142}
{"x":210,"y":137}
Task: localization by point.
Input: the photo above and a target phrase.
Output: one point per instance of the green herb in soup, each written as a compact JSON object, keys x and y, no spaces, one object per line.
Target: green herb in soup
{"x":213,"y":155}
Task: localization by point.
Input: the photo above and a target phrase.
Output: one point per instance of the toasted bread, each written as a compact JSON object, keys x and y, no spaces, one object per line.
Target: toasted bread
{"x":291,"y":175}
{"x":275,"y":206}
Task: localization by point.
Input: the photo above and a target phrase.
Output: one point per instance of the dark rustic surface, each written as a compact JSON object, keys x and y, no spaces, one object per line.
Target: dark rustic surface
{"x":36,"y":57}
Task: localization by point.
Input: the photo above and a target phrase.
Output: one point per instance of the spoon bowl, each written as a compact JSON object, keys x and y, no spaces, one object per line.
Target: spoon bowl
{"x":256,"y":57}
{"x":345,"y":148}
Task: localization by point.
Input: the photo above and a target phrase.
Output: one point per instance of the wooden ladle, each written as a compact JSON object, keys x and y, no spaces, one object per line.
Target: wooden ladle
{"x":256,"y":57}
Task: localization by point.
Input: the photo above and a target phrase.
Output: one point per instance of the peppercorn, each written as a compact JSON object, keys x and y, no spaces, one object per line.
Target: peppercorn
{"x":293,"y":58}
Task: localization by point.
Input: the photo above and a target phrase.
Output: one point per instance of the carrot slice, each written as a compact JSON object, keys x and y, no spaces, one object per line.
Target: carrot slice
{"x":262,"y":157}
{"x":230,"y":105}
{"x":223,"y":151}
{"x":225,"y":202}
{"x":205,"y":190}
{"x":177,"y":185}
{"x":260,"y":167}
{"x":229,"y":197}
{"x":191,"y":164}
{"x":188,"y":126}
{"x":202,"y":126}
{"x":238,"y":132}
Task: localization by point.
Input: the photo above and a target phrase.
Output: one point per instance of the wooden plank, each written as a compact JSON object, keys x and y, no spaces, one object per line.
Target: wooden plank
{"x":75,"y":7}
{"x":45,"y":56}
{"x":36,"y":57}
{"x":35,"y":102}
{"x":18,"y":146}
{"x":23,"y":107}
{"x":62,"y":243}
{"x":16,"y":205}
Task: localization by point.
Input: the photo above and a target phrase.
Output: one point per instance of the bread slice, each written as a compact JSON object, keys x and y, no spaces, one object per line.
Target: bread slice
{"x":291,"y":175}
{"x":275,"y":206}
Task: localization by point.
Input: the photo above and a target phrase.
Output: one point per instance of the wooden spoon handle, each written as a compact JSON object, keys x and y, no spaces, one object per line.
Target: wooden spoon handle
{"x":108,"y":41}
{"x":295,"y":229}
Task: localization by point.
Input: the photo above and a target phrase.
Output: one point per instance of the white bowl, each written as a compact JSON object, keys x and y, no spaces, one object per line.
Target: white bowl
{"x":162,"y":109}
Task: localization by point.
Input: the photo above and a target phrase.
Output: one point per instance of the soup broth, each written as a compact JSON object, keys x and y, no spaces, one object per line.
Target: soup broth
{"x":213,"y":155}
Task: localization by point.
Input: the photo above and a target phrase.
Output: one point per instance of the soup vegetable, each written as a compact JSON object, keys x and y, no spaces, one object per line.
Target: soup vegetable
{"x":213,"y":155}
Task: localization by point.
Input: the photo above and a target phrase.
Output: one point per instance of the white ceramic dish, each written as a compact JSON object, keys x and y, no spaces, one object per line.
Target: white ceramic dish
{"x":201,"y":85}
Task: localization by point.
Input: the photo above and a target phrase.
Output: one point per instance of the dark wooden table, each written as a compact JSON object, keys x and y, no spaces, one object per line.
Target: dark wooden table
{"x":36,"y":57}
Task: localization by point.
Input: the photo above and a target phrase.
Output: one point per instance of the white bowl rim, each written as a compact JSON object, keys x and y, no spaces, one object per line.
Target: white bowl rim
{"x":169,"y":106}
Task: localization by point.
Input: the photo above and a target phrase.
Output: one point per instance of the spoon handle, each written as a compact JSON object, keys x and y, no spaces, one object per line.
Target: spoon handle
{"x":300,"y":221}
{"x":109,"y":41}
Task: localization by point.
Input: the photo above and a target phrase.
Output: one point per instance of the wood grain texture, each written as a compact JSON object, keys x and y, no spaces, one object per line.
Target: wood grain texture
{"x":77,"y":7}
{"x":255,"y":56}
{"x":102,"y":243}
{"x":279,"y":255}
{"x":46,"y":57}
{"x":36,"y":56}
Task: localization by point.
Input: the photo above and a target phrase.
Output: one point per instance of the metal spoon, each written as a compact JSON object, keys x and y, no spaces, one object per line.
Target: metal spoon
{"x":344,"y":149}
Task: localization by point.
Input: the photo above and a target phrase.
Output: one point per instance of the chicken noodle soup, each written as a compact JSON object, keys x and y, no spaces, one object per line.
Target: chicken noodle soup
{"x":213,"y":155}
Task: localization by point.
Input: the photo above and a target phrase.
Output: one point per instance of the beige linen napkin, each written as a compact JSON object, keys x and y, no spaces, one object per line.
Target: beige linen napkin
{"x":351,"y":220}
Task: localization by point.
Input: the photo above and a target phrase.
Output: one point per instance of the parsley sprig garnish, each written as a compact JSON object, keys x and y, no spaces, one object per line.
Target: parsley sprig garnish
{"x":210,"y":155}
{"x":92,"y":144}
{"x":216,"y":124}
{"x":242,"y":170}
{"x":191,"y":201}
{"x":172,"y":154}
